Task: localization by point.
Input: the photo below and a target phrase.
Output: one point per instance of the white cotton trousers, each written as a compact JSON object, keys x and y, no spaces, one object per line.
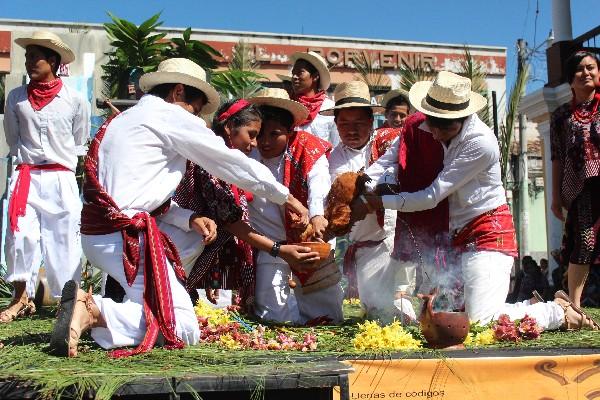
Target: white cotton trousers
{"x":486,"y":276}
{"x":48,"y":232}
{"x":376,"y":275}
{"x":275,"y":301}
{"x":125,"y":322}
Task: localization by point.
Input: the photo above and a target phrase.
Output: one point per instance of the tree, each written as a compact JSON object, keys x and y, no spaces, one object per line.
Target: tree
{"x":239,"y":80}
{"x":506,"y":134}
{"x":476,"y":73}
{"x":195,"y":50}
{"x":370,"y":71}
{"x":137,"y":50}
{"x":409,"y":76}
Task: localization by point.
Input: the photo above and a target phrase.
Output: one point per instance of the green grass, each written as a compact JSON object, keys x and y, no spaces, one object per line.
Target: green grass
{"x":25,"y":356}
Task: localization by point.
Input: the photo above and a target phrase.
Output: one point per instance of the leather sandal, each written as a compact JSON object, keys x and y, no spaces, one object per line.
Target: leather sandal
{"x":17,"y":309}
{"x":536,"y":295}
{"x":571,"y":321}
{"x":69,"y":327}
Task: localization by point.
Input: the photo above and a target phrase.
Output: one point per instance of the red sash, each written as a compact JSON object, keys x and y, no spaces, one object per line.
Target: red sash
{"x":40,"y":94}
{"x":101,"y":216}
{"x":18,"y":199}
{"x":492,"y":231}
{"x":420,"y":160}
{"x":301,"y":155}
{"x":313,"y":104}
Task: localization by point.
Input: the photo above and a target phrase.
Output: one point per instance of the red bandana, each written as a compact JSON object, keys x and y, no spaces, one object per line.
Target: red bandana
{"x":303,"y":152}
{"x":101,"y":216}
{"x":312,"y":103}
{"x":42,"y":93}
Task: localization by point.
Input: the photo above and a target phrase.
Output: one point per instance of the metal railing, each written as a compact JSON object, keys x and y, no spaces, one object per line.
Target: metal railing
{"x":589,"y":40}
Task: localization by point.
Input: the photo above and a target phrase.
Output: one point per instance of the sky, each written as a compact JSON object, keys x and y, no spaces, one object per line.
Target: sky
{"x":484,"y":22}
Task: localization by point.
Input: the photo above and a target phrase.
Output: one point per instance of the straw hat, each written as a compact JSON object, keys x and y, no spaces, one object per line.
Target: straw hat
{"x":448,"y":96}
{"x":284,"y":78}
{"x":186,"y":72}
{"x":319,"y":63}
{"x":279,"y":98}
{"x":50,"y":41}
{"x":392,"y":94}
{"x":351,"y":95}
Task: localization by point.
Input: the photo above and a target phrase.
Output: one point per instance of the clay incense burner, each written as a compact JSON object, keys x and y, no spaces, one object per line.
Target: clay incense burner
{"x":442,"y":329}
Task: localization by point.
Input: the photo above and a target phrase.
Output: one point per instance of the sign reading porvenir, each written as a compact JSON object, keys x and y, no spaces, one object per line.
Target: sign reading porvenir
{"x":342,"y":58}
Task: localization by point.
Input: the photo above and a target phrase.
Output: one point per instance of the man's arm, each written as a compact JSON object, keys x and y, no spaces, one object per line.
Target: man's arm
{"x":11,"y":125}
{"x":81,"y":122}
{"x":188,"y":136}
{"x":319,"y":183}
{"x":387,"y":162}
{"x":475,"y":157}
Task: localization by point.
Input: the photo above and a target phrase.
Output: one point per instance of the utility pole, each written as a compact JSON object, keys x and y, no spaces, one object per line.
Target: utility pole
{"x":523,"y":172}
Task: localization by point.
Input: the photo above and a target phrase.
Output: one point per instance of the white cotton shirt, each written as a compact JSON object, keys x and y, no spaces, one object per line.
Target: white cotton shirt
{"x":143,"y":155}
{"x":346,"y":159}
{"x":470,"y":179}
{"x":50,"y":135}
{"x":268,"y":218}
{"x":323,"y":126}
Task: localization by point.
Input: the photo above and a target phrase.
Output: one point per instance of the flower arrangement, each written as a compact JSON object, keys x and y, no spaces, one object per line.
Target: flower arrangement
{"x":372,"y":336}
{"x":514,"y":331}
{"x":227,"y":329}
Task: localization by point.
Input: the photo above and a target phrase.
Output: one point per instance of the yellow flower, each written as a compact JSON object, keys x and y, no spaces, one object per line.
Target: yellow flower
{"x":228,"y":342}
{"x":469,"y":340}
{"x":353,"y":301}
{"x":483,"y":338}
{"x":215,"y":316}
{"x":371,"y":336}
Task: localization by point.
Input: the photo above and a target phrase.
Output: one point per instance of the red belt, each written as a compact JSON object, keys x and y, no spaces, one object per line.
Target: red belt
{"x":18,"y":199}
{"x":492,"y":230}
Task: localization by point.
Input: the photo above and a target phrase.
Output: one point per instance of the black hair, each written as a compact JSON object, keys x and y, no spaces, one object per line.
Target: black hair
{"x":284,"y":117}
{"x":367,"y":110}
{"x":443,"y":122}
{"x":50,"y":53}
{"x":243,"y":117}
{"x":573,"y":61}
{"x":396,"y":101}
{"x":312,"y":70}
{"x":191,"y":93}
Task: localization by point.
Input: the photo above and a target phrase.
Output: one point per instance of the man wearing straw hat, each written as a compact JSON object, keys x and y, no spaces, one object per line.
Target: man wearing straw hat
{"x":310,"y":81}
{"x":367,"y":259}
{"x":397,"y":108}
{"x":133,"y":231}
{"x":480,"y":220}
{"x":44,"y":123}
{"x":299,"y":161}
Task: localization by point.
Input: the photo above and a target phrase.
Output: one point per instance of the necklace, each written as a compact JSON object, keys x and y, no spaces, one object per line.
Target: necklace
{"x":582,"y":115}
